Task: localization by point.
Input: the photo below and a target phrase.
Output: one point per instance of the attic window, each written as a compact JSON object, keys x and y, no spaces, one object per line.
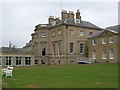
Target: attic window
{"x":53,"y":23}
{"x":77,"y":20}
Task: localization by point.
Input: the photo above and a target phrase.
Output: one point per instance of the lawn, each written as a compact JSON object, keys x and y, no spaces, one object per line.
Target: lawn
{"x":79,"y":76}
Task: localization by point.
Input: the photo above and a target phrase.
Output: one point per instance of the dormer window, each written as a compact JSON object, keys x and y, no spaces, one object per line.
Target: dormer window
{"x":77,"y":20}
{"x":53,"y":23}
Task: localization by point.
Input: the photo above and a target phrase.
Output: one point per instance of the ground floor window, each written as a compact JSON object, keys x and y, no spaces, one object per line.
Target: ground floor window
{"x":18,"y":60}
{"x":27,"y":60}
{"x":71,"y":62}
{"x":111,"y":54}
{"x":36,"y":62}
{"x":94,"y":54}
{"x":8,"y":60}
{"x":0,"y":61}
{"x":59,"y":62}
{"x":103,"y":54}
{"x":42,"y":61}
{"x":71,"y":48}
{"x":81,"y":48}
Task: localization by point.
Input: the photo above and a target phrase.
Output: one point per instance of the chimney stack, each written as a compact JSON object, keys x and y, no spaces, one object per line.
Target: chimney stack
{"x":64,"y":14}
{"x":71,"y":15}
{"x":51,"y":19}
{"x":78,"y":14}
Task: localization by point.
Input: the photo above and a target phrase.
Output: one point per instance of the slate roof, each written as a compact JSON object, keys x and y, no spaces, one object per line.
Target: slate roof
{"x":72,"y":22}
{"x":114,"y":29}
{"x":11,"y":50}
{"x":97,"y":34}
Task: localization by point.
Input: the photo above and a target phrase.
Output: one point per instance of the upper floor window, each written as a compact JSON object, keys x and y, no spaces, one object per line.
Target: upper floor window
{"x":103,"y":40}
{"x":81,"y":33}
{"x":59,"y":32}
{"x":71,"y":48}
{"x":71,"y":32}
{"x":81,"y":48}
{"x":111,"y":40}
{"x":53,"y":34}
{"x":93,"y":42}
{"x":103,"y":54}
{"x":43,"y":34}
{"x":90,"y":33}
{"x":43,"y":47}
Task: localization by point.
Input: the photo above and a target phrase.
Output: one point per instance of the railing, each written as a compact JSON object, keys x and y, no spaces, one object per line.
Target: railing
{"x":85,"y":60}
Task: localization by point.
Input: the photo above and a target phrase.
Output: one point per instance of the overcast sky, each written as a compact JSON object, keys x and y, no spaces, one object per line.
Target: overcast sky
{"x":18,"y":19}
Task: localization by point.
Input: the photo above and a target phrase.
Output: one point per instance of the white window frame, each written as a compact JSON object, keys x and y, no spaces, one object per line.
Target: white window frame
{"x":59,"y":49}
{"x":59,"y":32}
{"x":103,"y":54}
{"x":72,"y":32}
{"x":94,"y":42}
{"x":53,"y":34}
{"x":43,"y":34}
{"x":111,"y":40}
{"x":82,"y":48}
{"x":81,"y":33}
{"x":77,"y":20}
{"x":53,"y":50}
{"x":72,"y":49}
{"x":111,"y":53}
{"x":28,"y":59}
{"x":103,"y":40}
{"x":8,"y":61}
{"x":0,"y":61}
{"x":93,"y":54}
{"x":18,"y":60}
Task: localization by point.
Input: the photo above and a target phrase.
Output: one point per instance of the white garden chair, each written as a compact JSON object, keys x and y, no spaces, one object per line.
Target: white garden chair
{"x":9,"y":71}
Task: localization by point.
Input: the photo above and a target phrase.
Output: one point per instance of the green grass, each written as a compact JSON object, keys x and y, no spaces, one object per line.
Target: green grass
{"x":82,"y":76}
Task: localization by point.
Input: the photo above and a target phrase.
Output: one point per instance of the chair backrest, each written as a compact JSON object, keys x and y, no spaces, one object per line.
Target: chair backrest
{"x":10,"y":68}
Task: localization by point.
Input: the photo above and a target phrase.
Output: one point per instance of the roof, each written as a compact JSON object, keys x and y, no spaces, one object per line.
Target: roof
{"x":115,"y":28}
{"x":97,"y":34}
{"x":72,"y":22}
{"x":11,"y":50}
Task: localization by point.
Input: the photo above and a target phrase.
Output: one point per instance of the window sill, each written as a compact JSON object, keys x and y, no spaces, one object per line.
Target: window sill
{"x":103,"y":58}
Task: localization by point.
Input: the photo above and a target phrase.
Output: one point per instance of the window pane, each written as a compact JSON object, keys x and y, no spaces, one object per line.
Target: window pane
{"x":81,"y":49}
{"x":71,"y":47}
{"x":81,"y":33}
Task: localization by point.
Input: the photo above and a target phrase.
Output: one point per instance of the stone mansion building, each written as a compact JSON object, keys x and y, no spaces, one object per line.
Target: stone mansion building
{"x":63,"y":41}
